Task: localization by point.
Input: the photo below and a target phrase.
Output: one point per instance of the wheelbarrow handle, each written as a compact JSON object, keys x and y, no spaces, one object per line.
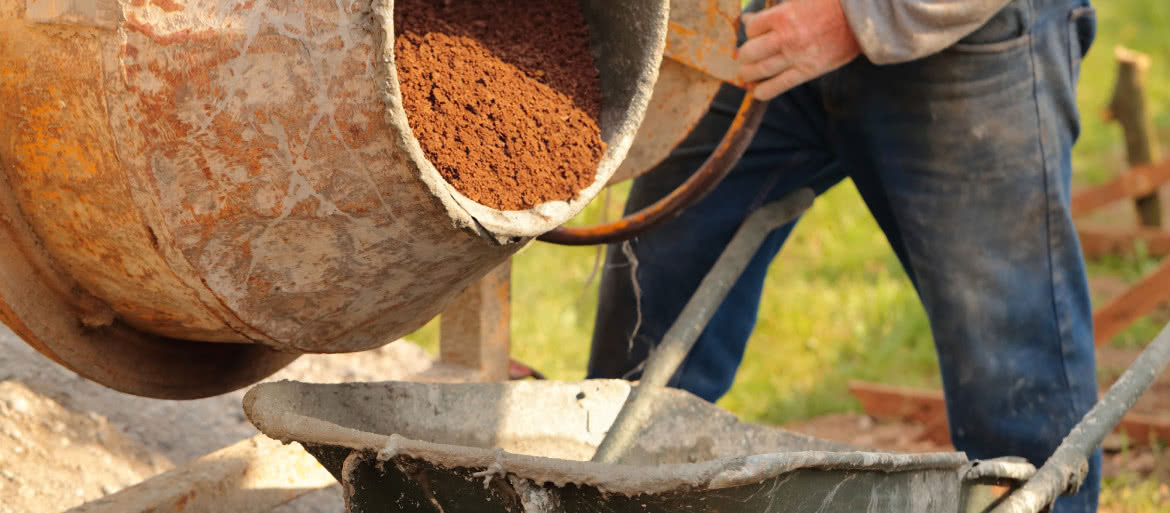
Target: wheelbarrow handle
{"x":1065,"y":470}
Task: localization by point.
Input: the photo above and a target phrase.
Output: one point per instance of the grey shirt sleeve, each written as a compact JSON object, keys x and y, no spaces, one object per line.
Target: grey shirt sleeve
{"x":893,"y":31}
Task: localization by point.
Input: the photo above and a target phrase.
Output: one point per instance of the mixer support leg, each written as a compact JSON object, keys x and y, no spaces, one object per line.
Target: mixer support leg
{"x":474,"y":329}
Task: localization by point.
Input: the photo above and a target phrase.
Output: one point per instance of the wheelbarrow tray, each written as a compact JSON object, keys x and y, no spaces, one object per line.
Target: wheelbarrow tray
{"x":524,"y":446}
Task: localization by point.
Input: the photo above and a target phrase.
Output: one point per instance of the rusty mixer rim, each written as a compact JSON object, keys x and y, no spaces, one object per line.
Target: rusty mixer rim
{"x":717,"y":166}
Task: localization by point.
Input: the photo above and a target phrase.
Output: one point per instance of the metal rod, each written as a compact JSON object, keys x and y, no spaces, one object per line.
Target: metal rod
{"x":1067,"y":467}
{"x":681,"y":336}
{"x":717,"y":166}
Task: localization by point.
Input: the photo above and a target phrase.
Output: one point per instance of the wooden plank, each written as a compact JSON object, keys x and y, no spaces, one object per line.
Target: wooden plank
{"x":922,"y":406}
{"x":256,"y":474}
{"x":474,"y":330}
{"x":1139,"y":181}
{"x":1099,"y":241}
{"x":886,"y":401}
{"x":928,"y":408}
{"x":1141,"y":429}
{"x":1129,"y":306}
{"x":1129,"y":108}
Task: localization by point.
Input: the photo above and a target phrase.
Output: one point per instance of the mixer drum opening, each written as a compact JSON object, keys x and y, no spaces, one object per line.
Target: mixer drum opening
{"x":509,"y":72}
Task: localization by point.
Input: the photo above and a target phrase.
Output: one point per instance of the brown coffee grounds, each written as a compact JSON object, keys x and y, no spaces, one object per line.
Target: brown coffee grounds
{"x":502,"y":95}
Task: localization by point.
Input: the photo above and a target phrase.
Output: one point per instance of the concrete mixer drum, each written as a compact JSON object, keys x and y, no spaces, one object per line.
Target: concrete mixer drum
{"x":193,"y":193}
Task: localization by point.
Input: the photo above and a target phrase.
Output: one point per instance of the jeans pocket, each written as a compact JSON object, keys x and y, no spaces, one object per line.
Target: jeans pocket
{"x":996,"y":47}
{"x":1082,"y":30}
{"x":1006,"y":30}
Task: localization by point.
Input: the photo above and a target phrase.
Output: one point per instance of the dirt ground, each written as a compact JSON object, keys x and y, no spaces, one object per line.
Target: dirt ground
{"x":65,"y":441}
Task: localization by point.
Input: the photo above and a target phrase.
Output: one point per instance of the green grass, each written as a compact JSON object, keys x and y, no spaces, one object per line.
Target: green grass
{"x":837,"y":305}
{"x":1140,"y":25}
{"x":1129,"y":493}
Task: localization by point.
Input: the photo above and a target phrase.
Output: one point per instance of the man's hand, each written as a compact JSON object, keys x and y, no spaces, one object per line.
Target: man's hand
{"x":794,"y":42}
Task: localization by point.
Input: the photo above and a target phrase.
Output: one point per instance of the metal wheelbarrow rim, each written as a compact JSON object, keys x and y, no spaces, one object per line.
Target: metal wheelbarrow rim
{"x":274,"y":408}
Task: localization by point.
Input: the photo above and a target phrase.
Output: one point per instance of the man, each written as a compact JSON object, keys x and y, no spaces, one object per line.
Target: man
{"x":955,"y":119}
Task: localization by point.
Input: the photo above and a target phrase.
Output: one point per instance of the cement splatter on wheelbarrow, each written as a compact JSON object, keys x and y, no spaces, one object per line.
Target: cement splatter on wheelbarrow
{"x":523,"y":446}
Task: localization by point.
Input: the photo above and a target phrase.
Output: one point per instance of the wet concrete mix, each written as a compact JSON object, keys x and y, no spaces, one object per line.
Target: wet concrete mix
{"x":503,"y":96}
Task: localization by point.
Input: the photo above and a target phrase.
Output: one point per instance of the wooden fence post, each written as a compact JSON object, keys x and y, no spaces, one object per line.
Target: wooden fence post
{"x":1128,"y":108}
{"x":474,"y":330}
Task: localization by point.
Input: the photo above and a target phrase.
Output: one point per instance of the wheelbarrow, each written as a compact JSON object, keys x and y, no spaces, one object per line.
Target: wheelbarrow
{"x":523,"y":446}
{"x":609,"y":446}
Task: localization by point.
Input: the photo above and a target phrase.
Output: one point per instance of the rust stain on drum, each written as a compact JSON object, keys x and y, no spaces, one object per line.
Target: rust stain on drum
{"x":702,"y":36}
{"x":273,"y":230}
{"x":290,"y":221}
{"x":59,"y":154}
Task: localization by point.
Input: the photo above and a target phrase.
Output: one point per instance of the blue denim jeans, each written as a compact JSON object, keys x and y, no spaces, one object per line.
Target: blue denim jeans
{"x":964,"y":160}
